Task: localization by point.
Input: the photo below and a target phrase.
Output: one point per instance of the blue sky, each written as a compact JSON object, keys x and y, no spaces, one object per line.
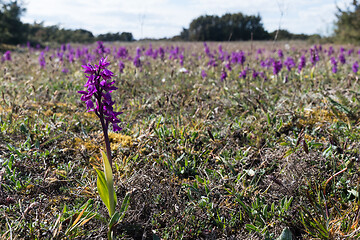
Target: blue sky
{"x":166,"y":18}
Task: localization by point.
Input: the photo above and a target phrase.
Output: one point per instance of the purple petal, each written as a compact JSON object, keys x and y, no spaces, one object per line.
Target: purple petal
{"x":116,"y":127}
{"x":89,"y":104}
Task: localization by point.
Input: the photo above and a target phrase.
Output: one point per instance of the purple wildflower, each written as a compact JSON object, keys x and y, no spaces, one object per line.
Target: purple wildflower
{"x":150,"y":51}
{"x":161,"y":53}
{"x":342,"y":58}
{"x":263,"y":63}
{"x":155,"y":54}
{"x":289,"y":63}
{"x":242,"y":58}
{"x":242,"y":74}
{"x":203,"y":74}
{"x":280,"y":53}
{"x":98,"y":90}
{"x":314,"y":55}
{"x":63,"y":47}
{"x":100,"y":49}
{"x":267,"y":63}
{"x":207,"y":49}
{"x":223,"y":75}
{"x":302,"y":63}
{"x":255,"y":74}
{"x":220,"y":49}
{"x":7,"y":56}
{"x":221,"y":53}
{"x":212,"y":62}
{"x":71,"y":57}
{"x":181,"y":57}
{"x":138,"y":51}
{"x":355,"y":67}
{"x":234,"y":57}
{"x":121,"y":67}
{"x":122,"y":53}
{"x":277,"y":65}
{"x":238,"y":57}
{"x":60,"y":56}
{"x":137,"y":61}
{"x":228,"y":66}
{"x":78,"y":53}
{"x":42,"y":60}
{"x":334,"y":64}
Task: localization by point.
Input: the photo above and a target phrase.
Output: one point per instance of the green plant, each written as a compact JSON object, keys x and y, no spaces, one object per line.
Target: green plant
{"x":98,"y":90}
{"x":73,"y":222}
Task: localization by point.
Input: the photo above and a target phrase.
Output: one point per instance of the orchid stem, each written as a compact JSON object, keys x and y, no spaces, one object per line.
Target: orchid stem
{"x":107,"y":141}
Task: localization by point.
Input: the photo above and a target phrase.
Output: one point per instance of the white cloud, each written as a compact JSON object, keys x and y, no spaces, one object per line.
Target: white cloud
{"x":159,"y":18}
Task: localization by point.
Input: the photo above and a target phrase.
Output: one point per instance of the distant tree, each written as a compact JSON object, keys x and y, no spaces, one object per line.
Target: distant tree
{"x":227,"y":27}
{"x":283,"y":34}
{"x":111,"y":37}
{"x":255,"y":26}
{"x":347,"y":26}
{"x":12,"y":30}
{"x":204,"y":28}
{"x":39,"y":34}
{"x":127,"y":36}
{"x":184,"y":35}
{"x":83,"y":36}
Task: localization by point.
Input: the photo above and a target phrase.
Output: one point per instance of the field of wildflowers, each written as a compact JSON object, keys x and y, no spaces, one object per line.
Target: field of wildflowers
{"x":241,"y":140}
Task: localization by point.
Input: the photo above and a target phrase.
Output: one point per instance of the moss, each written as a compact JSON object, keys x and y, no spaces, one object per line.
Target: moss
{"x":119,"y":140}
{"x":88,"y":144}
{"x":319,"y":117}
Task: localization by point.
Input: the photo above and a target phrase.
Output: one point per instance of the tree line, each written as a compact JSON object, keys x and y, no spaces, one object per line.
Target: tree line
{"x":237,"y":26}
{"x":227,"y":27}
{"x":234,"y":27}
{"x":38,"y":33}
{"x":13,"y":31}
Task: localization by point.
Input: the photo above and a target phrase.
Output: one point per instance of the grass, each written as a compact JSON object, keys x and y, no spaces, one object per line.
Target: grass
{"x":199,"y":158}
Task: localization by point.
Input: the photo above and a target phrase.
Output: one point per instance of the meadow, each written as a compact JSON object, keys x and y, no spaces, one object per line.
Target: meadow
{"x":230,"y":140}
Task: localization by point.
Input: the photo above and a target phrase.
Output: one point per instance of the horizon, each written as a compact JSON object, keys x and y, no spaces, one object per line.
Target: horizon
{"x":161,"y":18}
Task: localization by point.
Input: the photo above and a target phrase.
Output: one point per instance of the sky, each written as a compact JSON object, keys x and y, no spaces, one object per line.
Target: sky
{"x":167,"y":18}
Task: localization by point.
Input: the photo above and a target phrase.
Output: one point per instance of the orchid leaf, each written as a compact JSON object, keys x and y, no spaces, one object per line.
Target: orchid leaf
{"x":102,"y":188}
{"x":110,"y":184}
